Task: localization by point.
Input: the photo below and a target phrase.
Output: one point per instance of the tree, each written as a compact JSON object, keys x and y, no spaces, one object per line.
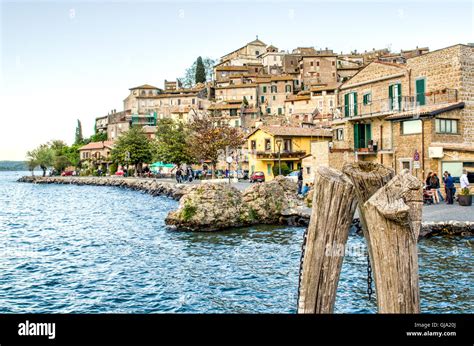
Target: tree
{"x":207,"y":140}
{"x":61,"y":159}
{"x":43,"y":156}
{"x":98,"y":137}
{"x":79,"y":138}
{"x":31,"y":163}
{"x":132,"y":147}
{"x":170,"y":144}
{"x":200,"y":71}
{"x":189,"y":78}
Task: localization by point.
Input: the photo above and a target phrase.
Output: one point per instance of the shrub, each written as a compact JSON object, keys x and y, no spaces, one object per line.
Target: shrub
{"x":188,"y":212}
{"x":113,"y":169}
{"x":285,"y":170}
{"x":464,"y":192}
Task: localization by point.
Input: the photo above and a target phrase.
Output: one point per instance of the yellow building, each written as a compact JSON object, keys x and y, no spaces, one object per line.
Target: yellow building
{"x":269,"y":144}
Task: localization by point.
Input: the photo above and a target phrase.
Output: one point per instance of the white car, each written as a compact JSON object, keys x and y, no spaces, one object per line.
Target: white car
{"x":293,"y":176}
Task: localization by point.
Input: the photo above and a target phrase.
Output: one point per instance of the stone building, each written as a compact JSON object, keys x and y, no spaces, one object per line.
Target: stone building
{"x":131,"y":103}
{"x":272,"y":92}
{"x":96,"y":154}
{"x":319,"y":68}
{"x":417,"y":115}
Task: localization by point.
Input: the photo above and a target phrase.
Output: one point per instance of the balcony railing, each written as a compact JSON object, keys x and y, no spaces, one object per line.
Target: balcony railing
{"x":394,"y":105}
{"x":283,"y":155}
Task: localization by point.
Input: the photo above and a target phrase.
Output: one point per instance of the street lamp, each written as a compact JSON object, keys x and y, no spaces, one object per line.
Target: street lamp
{"x":278,"y":143}
{"x":229,"y":161}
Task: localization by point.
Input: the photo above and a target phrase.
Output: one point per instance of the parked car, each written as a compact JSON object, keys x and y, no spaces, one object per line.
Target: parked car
{"x":257,"y":177}
{"x":67,"y":173}
{"x":293,"y":176}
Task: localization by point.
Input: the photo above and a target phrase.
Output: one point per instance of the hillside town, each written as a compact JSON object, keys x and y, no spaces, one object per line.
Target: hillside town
{"x":411,"y":109}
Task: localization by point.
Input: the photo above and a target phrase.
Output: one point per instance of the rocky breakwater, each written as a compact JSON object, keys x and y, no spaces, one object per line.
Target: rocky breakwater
{"x":212,"y":207}
{"x":151,"y":186}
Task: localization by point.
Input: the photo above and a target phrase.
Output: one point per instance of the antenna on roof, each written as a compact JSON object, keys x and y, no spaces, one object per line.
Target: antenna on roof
{"x":256,"y":36}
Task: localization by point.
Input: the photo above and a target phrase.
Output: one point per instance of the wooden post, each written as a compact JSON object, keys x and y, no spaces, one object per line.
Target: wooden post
{"x":393,"y":216}
{"x":331,"y":216}
{"x":367,"y":178}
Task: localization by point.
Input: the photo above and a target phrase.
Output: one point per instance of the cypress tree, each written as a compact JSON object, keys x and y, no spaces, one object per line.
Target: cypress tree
{"x":79,"y":139}
{"x":200,"y":71}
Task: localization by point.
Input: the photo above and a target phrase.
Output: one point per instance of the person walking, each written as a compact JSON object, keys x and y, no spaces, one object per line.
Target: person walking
{"x":449,"y":189}
{"x":463,"y":180}
{"x":434,"y":187}
{"x":300,"y":180}
{"x":437,"y":187}
{"x":179,"y":172}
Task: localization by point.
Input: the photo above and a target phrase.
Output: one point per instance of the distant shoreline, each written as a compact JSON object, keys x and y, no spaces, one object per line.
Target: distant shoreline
{"x":12,"y":166}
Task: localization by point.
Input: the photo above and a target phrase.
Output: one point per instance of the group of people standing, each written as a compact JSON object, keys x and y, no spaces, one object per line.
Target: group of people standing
{"x":433,"y":185}
{"x":184,"y":175}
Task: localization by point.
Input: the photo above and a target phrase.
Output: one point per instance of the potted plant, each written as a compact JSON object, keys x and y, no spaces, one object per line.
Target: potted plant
{"x":465,"y":198}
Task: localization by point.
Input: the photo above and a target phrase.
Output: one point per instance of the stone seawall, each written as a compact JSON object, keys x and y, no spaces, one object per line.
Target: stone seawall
{"x":212,"y":207}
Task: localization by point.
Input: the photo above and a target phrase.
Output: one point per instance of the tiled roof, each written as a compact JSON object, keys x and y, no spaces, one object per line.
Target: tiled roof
{"x":224,"y":106}
{"x":426,"y":110}
{"x":97,"y":145}
{"x":298,"y":98}
{"x":233,"y":86}
{"x":329,"y":86}
{"x":282,"y":77}
{"x":232,"y":68}
{"x":144,"y":86}
{"x":294,"y":131}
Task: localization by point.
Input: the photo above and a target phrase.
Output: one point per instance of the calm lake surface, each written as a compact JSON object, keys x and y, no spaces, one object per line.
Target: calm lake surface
{"x":86,"y":249}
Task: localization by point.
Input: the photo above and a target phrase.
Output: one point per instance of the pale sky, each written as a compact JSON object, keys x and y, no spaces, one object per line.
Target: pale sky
{"x":64,"y":60}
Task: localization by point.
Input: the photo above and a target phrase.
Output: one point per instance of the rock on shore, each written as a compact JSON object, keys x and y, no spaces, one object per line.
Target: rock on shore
{"x":211,"y":207}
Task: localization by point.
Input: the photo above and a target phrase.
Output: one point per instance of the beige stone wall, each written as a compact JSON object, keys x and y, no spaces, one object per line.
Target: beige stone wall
{"x":115,"y":130}
{"x":312,"y":73}
{"x":274,"y":100}
{"x":238,"y":93}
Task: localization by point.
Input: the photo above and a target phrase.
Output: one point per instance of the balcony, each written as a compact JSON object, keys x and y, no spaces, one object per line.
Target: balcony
{"x":284,"y":155}
{"x":381,"y":107}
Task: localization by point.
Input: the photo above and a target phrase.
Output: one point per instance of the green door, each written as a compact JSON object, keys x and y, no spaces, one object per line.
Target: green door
{"x":356,"y":136}
{"x":420,"y":92}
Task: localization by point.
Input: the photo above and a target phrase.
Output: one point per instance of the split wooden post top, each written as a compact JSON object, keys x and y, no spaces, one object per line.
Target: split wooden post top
{"x":393,"y":216}
{"x":332,"y":213}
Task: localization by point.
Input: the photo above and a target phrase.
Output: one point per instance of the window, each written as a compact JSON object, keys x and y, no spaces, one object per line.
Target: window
{"x":179,"y":102}
{"x":447,"y":126}
{"x":274,"y":89}
{"x":194,"y":101}
{"x":257,"y":52}
{"x":288,"y":88}
{"x":340,"y":134}
{"x":350,"y":104}
{"x":267,"y":144}
{"x":236,"y":123}
{"x":420,"y":86}
{"x":395,"y":96}
{"x":269,"y":168}
{"x":253,"y":145}
{"x":410,"y":127}
{"x":311,"y":63}
{"x":269,"y":110}
{"x":308,"y":170}
{"x":287,"y":145}
{"x":367,"y":98}
{"x":264,"y":89}
{"x":317,"y":63}
{"x":291,"y":62}
{"x":280,"y":112}
{"x":274,"y":97}
{"x":333,"y":63}
{"x":262,"y":99}
{"x":406,"y":164}
{"x":233,"y":112}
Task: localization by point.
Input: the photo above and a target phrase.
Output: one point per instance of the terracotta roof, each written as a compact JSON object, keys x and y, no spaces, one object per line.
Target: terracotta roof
{"x":282,"y":77}
{"x":144,"y":86}
{"x":97,"y":145}
{"x":232,"y":68}
{"x":224,"y":106}
{"x":426,"y":110}
{"x":298,"y":98}
{"x":329,"y":86}
{"x":233,"y":86}
{"x":294,"y":131}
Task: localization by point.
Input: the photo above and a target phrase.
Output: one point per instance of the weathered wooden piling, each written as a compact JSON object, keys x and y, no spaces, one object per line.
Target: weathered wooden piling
{"x":393,"y":216}
{"x":332,"y":213}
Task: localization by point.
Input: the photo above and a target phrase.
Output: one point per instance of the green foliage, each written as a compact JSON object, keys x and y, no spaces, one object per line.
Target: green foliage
{"x":43,"y":156}
{"x":113,"y":168}
{"x":464,"y":192}
{"x":253,"y":215}
{"x":98,"y":137}
{"x":200,"y":71}
{"x":132,"y":147}
{"x":170,"y":143}
{"x":285,"y":170}
{"x":188,"y":211}
{"x":190,"y":74}
{"x":78,"y":139}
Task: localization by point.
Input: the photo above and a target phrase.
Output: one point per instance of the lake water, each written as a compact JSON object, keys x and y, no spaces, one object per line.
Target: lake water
{"x":86,"y":249}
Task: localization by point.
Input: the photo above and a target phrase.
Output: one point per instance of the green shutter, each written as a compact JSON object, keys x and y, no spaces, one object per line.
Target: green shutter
{"x":264,"y":89}
{"x":390,"y":96}
{"x":346,"y":105}
{"x":355,"y":103}
{"x":368,"y":134}
{"x":356,"y":136}
{"x":400,"y":96}
{"x":420,"y":92}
